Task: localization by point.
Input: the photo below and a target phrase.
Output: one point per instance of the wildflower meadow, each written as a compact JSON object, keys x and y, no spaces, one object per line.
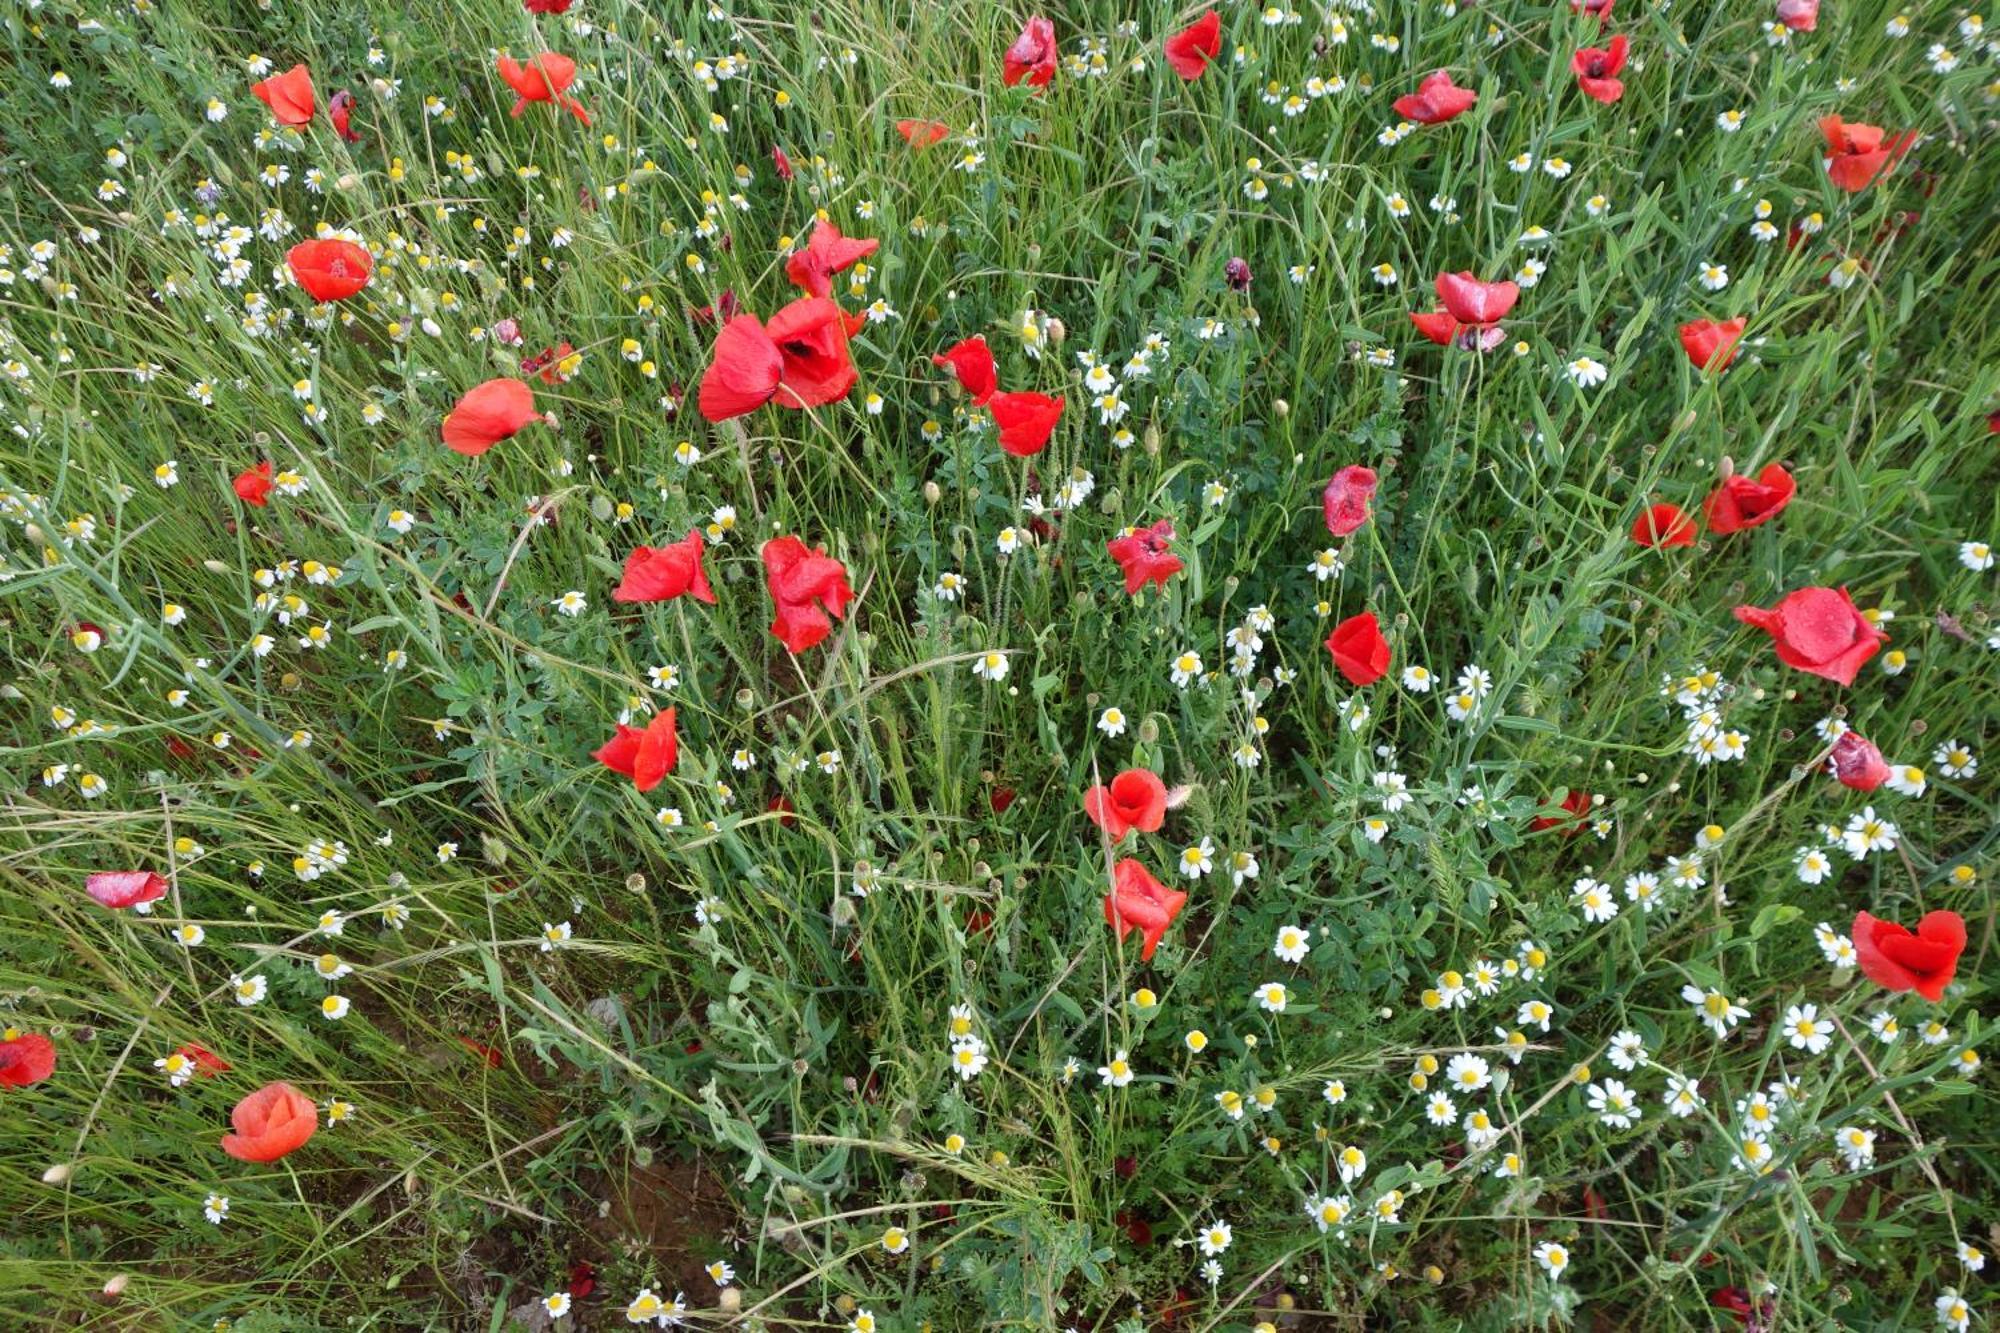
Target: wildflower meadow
{"x":897,"y":666}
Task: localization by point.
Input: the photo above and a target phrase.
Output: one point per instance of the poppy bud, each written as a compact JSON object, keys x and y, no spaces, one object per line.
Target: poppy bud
{"x":115,"y":1288}
{"x":1151,"y":439}
{"x":57,"y":1174}
{"x":1057,"y":332}
{"x":730,"y":1300}
{"x":635,"y":883}
{"x":1280,"y":408}
{"x":932,"y":492}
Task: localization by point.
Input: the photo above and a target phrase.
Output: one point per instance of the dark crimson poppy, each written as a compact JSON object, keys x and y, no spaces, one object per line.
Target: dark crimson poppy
{"x":487,"y":414}
{"x":1436,"y":100}
{"x":1139,"y":902}
{"x":1663,"y":526}
{"x":781,"y":806}
{"x":489,"y":1055}
{"x":1000,"y":799}
{"x":1597,"y":70}
{"x":1747,"y":502}
{"x":253,"y":484}
{"x":1925,"y":961}
{"x":1799,"y":15}
{"x":118,"y":889}
{"x":1359,"y":649}
{"x":645,"y":756}
{"x":1032,"y":56}
{"x":826,"y":253}
{"x":1136,"y":1228}
{"x":330,"y":269}
{"x":26,"y":1058}
{"x":289,"y":95}
{"x":805,"y":585}
{"x":541,"y":78}
{"x":1576,"y":811}
{"x":1347,"y":498}
{"x":1856,"y":763}
{"x":972,"y":361}
{"x":1818,"y":630}
{"x":978,"y":922}
{"x":340,"y":110}
{"x":1146,"y":556}
{"x":1189,"y":50}
{"x":1858,"y":155}
{"x":1135,"y":799}
{"x":662,"y":573}
{"x":1026,"y":420}
{"x":1735,"y":1300}
{"x":1711,"y":345}
{"x":582,"y":1273}
{"x":922,"y":134}
{"x":269,"y":1123}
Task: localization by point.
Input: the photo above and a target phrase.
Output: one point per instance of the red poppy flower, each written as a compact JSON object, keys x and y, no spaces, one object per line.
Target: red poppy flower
{"x":1189,"y":50}
{"x":1146,"y":556}
{"x":1711,"y":345}
{"x":1135,"y":799}
{"x":1473,"y":302}
{"x":25,"y":1060}
{"x":1139,"y":902}
{"x":253,"y":484}
{"x":1818,"y":630}
{"x":1799,"y":15}
{"x":1436,"y":100}
{"x":1745,"y":502}
{"x":207,"y":1064}
{"x":1032,"y":56}
{"x":548,"y":6}
{"x":1858,"y":155}
{"x":1436,"y":325}
{"x":1601,"y":8}
{"x":1663,"y":526}
{"x":289,"y":95}
{"x":825,"y":254}
{"x":972,"y":361}
{"x":118,"y":889}
{"x":1925,"y":962}
{"x":330,"y":270}
{"x":922,"y":134}
{"x":780,"y":163}
{"x":270,"y":1122}
{"x":547,"y":363}
{"x":340,"y":110}
{"x":1347,"y":498}
{"x":1597,"y":70}
{"x":582,"y":1273}
{"x":1026,"y":420}
{"x":743,"y":373}
{"x":487,"y":414}
{"x":662,"y":573}
{"x":811,"y":336}
{"x":1359,"y":649}
{"x":1856,"y":763}
{"x":541,"y":78}
{"x":1575,"y":806}
{"x":645,"y":756}
{"x":802,"y":581}
{"x":486,"y":1053}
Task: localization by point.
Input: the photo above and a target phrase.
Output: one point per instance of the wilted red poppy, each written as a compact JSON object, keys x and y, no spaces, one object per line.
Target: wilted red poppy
{"x":1139,"y":902}
{"x":488,"y":414}
{"x":1711,"y":345}
{"x":289,"y":95}
{"x":487,"y":1054}
{"x":541,"y":78}
{"x":1799,"y":15}
{"x":922,"y":134}
{"x":270,"y":1122}
{"x":972,"y":360}
{"x":330,"y":269}
{"x":826,"y":253}
{"x":662,"y":573}
{"x":548,"y":363}
{"x":1856,"y":763}
{"x":1347,"y":497}
{"x":1818,"y":630}
{"x":1032,"y":56}
{"x":1436,"y":100}
{"x":802,"y":581}
{"x":1146,"y":555}
{"x":253,"y":484}
{"x":1663,"y":526}
{"x":119,"y":889}
{"x":25,"y":1059}
{"x":1925,"y":961}
{"x":1746,"y":502}
{"x":1189,"y":50}
{"x":1576,"y":810}
{"x":1026,"y":420}
{"x":340,"y":110}
{"x":1359,"y":649}
{"x":207,"y":1064}
{"x":1858,"y":155}
{"x":645,"y":756}
{"x":1135,"y":799}
{"x":1597,"y":70}
{"x":780,"y":163}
